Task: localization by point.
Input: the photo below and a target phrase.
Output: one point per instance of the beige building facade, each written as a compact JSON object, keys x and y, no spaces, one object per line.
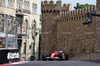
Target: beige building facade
{"x":28,"y":30}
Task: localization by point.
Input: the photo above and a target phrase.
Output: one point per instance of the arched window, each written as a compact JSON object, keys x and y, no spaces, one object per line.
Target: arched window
{"x":34,"y":23}
{"x":54,"y":11}
{"x":79,"y":17}
{"x":72,"y":18}
{"x":24,"y":48}
{"x":44,"y":11}
{"x":47,"y":11}
{"x":50,"y":11}
{"x":58,"y":11}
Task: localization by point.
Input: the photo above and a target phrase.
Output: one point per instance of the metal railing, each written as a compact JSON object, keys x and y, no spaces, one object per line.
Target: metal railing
{"x":8,"y":31}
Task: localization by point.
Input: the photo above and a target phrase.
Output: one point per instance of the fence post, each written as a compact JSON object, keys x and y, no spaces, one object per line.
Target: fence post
{"x":6,"y":31}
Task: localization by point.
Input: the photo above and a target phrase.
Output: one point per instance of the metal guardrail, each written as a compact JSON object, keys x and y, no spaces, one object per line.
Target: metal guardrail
{"x":8,"y":28}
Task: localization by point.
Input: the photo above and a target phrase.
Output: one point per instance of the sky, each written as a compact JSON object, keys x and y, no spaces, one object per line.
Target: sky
{"x":73,"y":2}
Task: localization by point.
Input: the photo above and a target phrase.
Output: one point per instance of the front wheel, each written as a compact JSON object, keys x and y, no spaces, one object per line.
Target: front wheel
{"x":44,"y":55}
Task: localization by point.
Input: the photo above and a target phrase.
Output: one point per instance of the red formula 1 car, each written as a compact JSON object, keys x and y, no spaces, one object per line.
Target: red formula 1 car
{"x":56,"y":55}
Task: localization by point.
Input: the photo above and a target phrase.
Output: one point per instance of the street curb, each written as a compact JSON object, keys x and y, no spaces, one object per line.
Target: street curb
{"x":20,"y":62}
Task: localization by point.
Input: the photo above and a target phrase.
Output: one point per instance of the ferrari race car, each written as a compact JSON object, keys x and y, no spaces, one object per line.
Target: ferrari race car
{"x":56,"y":55}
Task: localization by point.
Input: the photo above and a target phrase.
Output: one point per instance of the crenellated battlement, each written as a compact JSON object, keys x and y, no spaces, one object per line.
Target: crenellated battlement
{"x":50,"y":6}
{"x":79,"y":11}
{"x":50,"y":3}
{"x":76,"y":14}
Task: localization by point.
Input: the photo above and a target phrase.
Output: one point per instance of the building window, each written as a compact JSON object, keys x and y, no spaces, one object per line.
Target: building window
{"x":34,"y":8}
{"x":55,"y":11}
{"x":24,"y":48}
{"x":2,"y":2}
{"x":19,"y":29}
{"x":26,"y":5}
{"x":79,"y":17}
{"x":19,"y":3}
{"x":25,"y":27}
{"x":72,"y":18}
{"x":11,"y":3}
{"x":33,"y":47}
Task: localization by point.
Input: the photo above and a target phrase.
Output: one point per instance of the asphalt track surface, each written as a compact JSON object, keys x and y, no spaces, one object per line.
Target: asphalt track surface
{"x":59,"y":63}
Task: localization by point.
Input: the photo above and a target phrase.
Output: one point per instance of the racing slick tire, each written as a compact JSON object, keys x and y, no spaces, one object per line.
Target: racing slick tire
{"x":61,"y":56}
{"x":66,"y":57}
{"x":44,"y":55}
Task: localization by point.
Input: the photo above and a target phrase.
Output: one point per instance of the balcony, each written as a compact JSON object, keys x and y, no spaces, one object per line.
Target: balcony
{"x":22,"y":36}
{"x":23,"y":12}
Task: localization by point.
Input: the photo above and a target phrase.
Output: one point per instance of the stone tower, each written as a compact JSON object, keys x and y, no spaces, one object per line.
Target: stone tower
{"x":50,"y":12}
{"x":97,"y":45}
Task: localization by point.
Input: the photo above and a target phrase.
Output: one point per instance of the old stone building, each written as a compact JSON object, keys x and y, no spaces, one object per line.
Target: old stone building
{"x":28,"y":30}
{"x":63,"y":29}
{"x":50,"y":13}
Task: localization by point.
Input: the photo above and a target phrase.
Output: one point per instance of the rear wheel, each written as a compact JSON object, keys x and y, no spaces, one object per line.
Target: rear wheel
{"x":44,"y":55}
{"x":66,"y":57}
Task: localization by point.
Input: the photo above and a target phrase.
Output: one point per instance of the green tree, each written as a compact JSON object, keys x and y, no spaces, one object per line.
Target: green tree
{"x":78,"y":6}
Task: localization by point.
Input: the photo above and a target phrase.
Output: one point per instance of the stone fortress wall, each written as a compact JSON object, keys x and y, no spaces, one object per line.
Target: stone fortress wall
{"x":63,"y":29}
{"x":50,"y":13}
{"x":72,"y":35}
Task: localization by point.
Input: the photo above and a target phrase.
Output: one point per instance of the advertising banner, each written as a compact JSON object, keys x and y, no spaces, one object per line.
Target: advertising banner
{"x":7,"y":56}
